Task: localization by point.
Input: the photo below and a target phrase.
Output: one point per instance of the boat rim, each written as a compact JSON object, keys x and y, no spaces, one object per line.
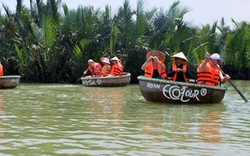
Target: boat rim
{"x":10,"y":76}
{"x":155,"y":80}
{"x":106,"y":77}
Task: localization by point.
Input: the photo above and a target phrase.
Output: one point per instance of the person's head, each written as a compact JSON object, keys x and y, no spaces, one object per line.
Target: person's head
{"x":90,"y":62}
{"x":180,"y":61}
{"x":155,"y":55}
{"x":160,"y":55}
{"x":216,"y":58}
{"x":179,"y":58}
{"x":114,"y":60}
{"x":105,"y":60}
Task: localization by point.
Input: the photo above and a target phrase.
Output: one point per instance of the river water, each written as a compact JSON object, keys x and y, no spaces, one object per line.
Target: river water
{"x":66,"y":119}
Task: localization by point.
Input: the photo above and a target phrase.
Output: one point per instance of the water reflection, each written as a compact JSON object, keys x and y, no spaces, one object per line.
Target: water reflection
{"x":179,"y":127}
{"x":1,"y":113}
{"x":106,"y":102}
{"x":210,"y":126}
{"x":1,"y":102}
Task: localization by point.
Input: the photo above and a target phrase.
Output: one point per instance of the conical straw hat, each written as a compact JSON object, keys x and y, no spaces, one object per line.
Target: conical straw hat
{"x":90,"y":60}
{"x":115,"y":59}
{"x":160,"y":54}
{"x":180,"y":55}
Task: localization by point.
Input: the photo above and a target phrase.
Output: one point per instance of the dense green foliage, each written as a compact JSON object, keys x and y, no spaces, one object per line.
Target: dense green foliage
{"x":44,"y":44}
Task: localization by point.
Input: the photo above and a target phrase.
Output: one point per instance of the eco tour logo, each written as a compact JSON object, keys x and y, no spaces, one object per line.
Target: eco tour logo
{"x":182,"y":93}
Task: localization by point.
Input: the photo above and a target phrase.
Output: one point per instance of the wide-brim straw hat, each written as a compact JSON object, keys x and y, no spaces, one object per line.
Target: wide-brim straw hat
{"x":161,"y":55}
{"x":180,"y":55}
{"x":105,"y":60}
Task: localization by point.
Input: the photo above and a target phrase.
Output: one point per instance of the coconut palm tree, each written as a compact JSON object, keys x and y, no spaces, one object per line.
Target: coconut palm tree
{"x":238,"y":51}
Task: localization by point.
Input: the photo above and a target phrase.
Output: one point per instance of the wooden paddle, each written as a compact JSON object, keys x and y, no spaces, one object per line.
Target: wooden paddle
{"x":79,"y":79}
{"x":243,"y":97}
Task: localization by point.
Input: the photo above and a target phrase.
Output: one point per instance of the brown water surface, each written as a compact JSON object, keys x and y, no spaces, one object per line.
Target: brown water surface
{"x":66,"y":119}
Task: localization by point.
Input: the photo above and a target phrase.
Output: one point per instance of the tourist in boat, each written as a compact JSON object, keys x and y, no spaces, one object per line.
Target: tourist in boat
{"x":179,"y":70}
{"x":154,"y":66}
{"x":94,"y":68}
{"x":1,"y":69}
{"x":116,"y":67}
{"x":106,"y":68}
{"x":208,"y":72}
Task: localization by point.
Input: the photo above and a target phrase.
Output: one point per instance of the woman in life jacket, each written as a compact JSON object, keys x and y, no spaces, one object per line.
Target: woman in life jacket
{"x":154,"y":66}
{"x":116,"y":67}
{"x":94,"y":68}
{"x":106,"y":68}
{"x":208,"y":71}
{"x":179,"y":70}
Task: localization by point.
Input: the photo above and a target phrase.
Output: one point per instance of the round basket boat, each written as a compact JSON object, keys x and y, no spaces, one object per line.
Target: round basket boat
{"x":9,"y":81}
{"x":166,"y":91}
{"x":109,"y":81}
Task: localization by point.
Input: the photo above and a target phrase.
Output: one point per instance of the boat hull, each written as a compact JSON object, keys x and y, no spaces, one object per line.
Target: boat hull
{"x":9,"y":81}
{"x":166,"y":91}
{"x":109,"y":81}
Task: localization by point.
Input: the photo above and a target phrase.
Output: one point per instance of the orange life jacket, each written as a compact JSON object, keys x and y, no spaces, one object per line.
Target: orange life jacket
{"x":149,"y":71}
{"x":174,"y":67}
{"x":106,"y":69}
{"x":96,"y":70}
{"x":1,"y":70}
{"x":117,"y":69}
{"x":210,"y":76}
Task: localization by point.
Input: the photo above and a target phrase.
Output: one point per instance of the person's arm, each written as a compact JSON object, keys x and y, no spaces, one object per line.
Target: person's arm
{"x":204,"y":64}
{"x":224,"y":78}
{"x":144,"y":66}
{"x":188,"y":73}
{"x":98,"y":67}
{"x":170,"y":72}
{"x":160,"y":63}
{"x":86,"y":71}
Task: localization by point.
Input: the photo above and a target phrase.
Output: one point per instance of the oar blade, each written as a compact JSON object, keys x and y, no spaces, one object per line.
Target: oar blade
{"x":242,"y":96}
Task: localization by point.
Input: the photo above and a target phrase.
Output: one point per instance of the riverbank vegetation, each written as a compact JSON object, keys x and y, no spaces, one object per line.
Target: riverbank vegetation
{"x":50,"y":43}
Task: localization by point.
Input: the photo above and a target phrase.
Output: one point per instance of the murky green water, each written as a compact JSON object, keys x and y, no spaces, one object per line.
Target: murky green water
{"x":65,"y":119}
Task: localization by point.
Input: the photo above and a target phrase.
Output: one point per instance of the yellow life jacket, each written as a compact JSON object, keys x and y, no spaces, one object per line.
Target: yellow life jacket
{"x":106,"y":69}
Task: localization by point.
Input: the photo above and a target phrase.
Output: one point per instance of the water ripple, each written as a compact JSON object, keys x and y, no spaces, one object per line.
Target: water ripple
{"x":59,"y":119}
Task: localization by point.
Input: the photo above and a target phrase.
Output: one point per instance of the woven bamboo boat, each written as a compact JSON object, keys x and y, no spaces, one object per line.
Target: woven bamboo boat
{"x":9,"y":81}
{"x":109,"y":81}
{"x":166,"y":91}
